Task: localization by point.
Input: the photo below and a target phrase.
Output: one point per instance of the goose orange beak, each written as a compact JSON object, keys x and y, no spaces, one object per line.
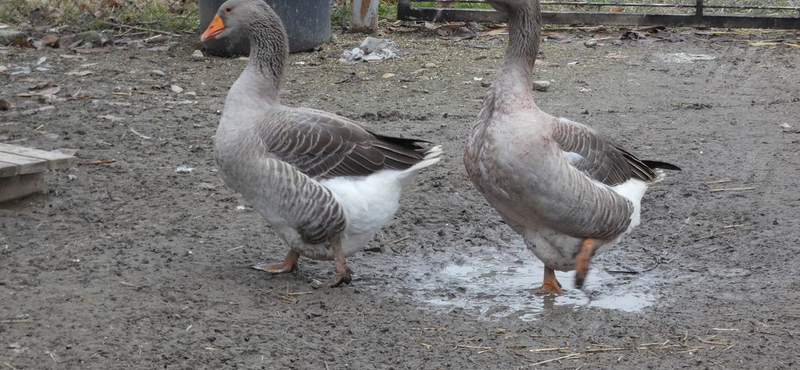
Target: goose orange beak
{"x":215,"y":28}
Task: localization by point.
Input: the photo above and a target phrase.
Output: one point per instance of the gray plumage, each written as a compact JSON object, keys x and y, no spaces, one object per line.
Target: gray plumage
{"x":325,"y":183}
{"x":554,"y":181}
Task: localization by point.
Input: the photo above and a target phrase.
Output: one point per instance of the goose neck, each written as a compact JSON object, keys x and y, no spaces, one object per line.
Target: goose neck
{"x":268,"y":53}
{"x":524,"y":28}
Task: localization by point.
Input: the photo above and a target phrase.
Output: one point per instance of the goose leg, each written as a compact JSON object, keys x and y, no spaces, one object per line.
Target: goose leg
{"x":550,"y":284}
{"x":289,"y":264}
{"x":340,"y":269}
{"x":582,"y":262}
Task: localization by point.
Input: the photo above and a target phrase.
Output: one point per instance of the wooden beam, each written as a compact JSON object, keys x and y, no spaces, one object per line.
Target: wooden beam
{"x":19,"y":186}
{"x":8,"y":169}
{"x":55,"y":160}
{"x":25,"y":165}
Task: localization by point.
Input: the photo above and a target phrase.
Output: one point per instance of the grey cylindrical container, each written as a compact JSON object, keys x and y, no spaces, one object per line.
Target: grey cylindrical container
{"x":307,"y":23}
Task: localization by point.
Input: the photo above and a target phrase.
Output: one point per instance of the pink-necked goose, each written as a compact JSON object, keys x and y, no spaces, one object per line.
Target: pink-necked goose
{"x":325,"y":183}
{"x":569,"y":191}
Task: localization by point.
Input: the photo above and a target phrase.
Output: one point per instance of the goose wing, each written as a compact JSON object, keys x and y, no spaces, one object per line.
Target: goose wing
{"x":598,"y":157}
{"x":324,"y":145}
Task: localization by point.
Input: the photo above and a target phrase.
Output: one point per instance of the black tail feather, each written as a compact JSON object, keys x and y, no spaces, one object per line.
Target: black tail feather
{"x":661,"y":165}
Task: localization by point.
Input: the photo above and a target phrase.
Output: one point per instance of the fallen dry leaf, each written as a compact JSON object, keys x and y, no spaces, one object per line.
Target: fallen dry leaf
{"x":101,"y":162}
{"x":495,"y":31}
{"x":6,"y":104}
{"x":49,"y":40}
{"x":42,"y":85}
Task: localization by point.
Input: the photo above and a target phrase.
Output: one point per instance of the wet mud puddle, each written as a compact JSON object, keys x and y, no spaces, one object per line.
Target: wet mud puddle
{"x":496,"y":284}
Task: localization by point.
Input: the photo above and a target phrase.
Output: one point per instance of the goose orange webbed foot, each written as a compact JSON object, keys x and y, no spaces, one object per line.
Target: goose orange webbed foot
{"x":547,"y":289}
{"x":550,"y":285}
{"x":340,"y":269}
{"x":289,"y":264}
{"x":338,"y":279}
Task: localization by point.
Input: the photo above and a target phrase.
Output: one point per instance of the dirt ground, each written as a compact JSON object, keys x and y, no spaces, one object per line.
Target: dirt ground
{"x":131,"y":265}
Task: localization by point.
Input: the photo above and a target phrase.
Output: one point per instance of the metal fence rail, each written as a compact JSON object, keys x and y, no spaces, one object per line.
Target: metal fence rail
{"x":688,"y":13}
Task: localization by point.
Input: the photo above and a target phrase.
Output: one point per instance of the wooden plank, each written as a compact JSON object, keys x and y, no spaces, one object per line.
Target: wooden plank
{"x":55,"y":160}
{"x":19,"y":186}
{"x":8,"y":169}
{"x":25,"y":165}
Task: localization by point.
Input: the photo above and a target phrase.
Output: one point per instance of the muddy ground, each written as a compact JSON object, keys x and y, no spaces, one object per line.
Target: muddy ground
{"x":130,"y":265}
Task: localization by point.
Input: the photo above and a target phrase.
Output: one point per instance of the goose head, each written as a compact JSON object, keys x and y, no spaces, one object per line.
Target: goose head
{"x":241,"y":15}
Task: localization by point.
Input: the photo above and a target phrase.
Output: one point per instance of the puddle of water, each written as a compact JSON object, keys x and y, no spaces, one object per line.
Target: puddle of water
{"x":496,"y":284}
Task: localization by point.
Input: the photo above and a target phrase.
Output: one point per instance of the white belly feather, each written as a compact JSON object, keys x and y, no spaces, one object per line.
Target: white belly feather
{"x":368,"y":202}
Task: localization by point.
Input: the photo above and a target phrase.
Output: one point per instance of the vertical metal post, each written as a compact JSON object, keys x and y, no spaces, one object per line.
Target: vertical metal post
{"x":364,"y":15}
{"x":698,"y":11}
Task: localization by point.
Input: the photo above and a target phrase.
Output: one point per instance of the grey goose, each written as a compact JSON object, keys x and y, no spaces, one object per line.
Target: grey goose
{"x":567,"y":190}
{"x":325,"y":183}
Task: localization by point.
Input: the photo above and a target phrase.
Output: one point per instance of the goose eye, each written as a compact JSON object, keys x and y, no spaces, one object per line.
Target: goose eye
{"x":228,"y":10}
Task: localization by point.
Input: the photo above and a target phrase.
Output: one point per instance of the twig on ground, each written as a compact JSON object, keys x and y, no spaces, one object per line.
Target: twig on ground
{"x":552,"y":349}
{"x":400,"y":240}
{"x":717,"y":190}
{"x":15,"y":321}
{"x":565,"y":357}
{"x":140,"y":135}
{"x":299,"y":293}
{"x":140,"y":28}
{"x":473,"y":347}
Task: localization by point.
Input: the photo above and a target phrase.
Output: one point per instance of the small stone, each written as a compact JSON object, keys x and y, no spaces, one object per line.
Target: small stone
{"x":541,"y":85}
{"x":197,"y":54}
{"x":486,"y":84}
{"x":176,"y":89}
{"x":72,"y":177}
{"x":388,"y":75}
{"x":206,"y":186}
{"x":430,"y":65}
{"x":158,"y":73}
{"x":184,"y":169}
{"x":590,"y":43}
{"x":46,"y":98}
{"x":138,"y":44}
{"x":616,"y":42}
